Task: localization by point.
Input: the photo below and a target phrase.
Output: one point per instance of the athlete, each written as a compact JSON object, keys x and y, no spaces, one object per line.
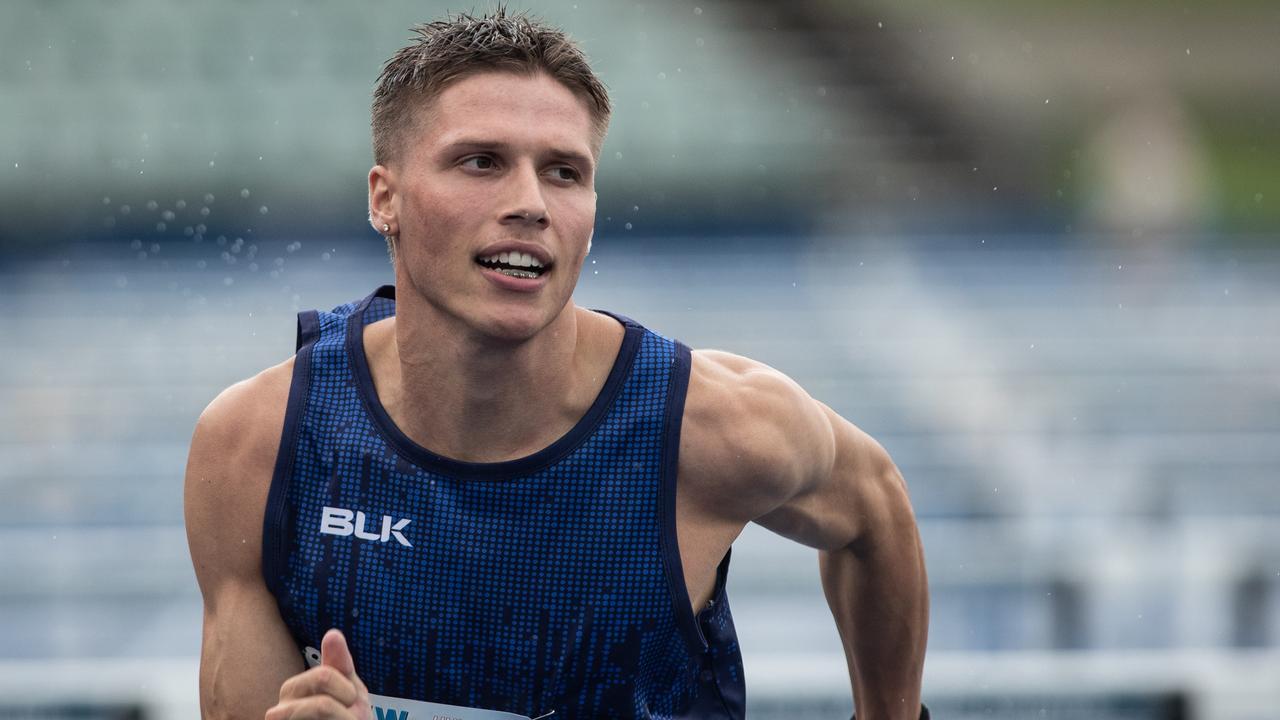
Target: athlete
{"x":467,"y":497}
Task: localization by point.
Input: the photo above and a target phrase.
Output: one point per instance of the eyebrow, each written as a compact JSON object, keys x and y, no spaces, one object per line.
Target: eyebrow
{"x":558,"y":153}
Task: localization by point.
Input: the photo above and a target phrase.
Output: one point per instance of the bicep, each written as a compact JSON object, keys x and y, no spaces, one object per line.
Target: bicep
{"x":858,"y":489}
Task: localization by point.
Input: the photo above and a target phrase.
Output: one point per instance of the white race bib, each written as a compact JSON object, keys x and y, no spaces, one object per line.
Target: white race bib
{"x":391,"y":708}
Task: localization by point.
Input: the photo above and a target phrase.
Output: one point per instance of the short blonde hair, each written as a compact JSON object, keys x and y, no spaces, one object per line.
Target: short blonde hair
{"x":448,"y":50}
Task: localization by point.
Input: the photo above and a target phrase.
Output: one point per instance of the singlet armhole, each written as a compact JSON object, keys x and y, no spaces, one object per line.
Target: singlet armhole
{"x":677,"y":388}
{"x":273,"y":527}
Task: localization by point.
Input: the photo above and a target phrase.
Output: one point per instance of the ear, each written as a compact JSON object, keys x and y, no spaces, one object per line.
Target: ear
{"x":383,"y":201}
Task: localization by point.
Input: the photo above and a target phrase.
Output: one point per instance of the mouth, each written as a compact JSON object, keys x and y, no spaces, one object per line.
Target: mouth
{"x":515,"y":264}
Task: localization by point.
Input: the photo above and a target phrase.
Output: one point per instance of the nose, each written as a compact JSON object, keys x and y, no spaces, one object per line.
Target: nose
{"x":525,"y":203}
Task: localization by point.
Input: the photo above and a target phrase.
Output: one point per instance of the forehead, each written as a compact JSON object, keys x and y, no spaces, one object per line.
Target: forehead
{"x":508,"y":107}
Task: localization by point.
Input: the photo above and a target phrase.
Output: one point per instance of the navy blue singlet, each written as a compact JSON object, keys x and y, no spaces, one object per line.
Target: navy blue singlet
{"x":551,"y":582}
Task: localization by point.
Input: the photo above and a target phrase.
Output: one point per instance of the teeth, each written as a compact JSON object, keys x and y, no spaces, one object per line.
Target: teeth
{"x":518,"y":273}
{"x":513,"y":259}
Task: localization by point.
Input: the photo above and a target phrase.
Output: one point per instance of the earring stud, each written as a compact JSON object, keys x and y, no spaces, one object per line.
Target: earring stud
{"x":386,"y":228}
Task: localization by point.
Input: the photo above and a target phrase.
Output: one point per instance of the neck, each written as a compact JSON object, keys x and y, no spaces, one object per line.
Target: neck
{"x":478,"y":399}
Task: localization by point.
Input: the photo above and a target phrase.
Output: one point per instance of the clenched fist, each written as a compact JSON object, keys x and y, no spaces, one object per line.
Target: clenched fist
{"x":328,"y":691}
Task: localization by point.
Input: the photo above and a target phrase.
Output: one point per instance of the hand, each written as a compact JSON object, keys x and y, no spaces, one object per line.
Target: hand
{"x":328,"y":691}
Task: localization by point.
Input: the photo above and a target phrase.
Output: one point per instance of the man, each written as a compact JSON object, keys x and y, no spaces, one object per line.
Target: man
{"x":562,"y":545}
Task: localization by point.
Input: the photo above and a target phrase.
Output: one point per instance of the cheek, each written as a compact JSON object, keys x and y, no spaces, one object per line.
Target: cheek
{"x":438,"y":219}
{"x":579,"y":217}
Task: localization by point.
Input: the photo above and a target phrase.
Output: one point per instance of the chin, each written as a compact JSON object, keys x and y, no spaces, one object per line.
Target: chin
{"x":515,"y":325}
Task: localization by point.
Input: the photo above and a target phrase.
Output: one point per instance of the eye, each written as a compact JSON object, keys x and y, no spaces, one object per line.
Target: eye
{"x":482,"y":162}
{"x":565,"y":172}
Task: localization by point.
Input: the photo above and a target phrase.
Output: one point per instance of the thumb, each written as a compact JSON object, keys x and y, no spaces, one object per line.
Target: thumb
{"x":335,"y":654}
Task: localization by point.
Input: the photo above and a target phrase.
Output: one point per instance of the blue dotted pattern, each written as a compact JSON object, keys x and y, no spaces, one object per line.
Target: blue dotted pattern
{"x":544,"y":591}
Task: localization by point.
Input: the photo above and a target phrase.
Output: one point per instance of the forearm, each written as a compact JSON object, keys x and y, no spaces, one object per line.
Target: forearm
{"x":879,"y":596}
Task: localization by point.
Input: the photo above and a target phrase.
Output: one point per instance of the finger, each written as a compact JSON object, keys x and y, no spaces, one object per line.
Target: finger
{"x":318,"y":707}
{"x":363,"y":708}
{"x":335,"y":654}
{"x":320,"y":680}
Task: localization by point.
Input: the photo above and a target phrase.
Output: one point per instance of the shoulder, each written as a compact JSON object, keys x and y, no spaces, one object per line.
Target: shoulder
{"x":751,"y":437}
{"x":229,"y":468}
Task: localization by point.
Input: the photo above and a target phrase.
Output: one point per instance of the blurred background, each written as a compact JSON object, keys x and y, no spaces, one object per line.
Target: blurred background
{"x":1032,"y":247}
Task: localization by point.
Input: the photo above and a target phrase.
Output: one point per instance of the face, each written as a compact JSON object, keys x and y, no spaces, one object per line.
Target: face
{"x":493,"y":199}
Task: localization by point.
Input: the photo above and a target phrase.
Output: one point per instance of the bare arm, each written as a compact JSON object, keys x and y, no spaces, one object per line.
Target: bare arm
{"x":246,"y":653}
{"x":800,"y":470}
{"x":876,"y":584}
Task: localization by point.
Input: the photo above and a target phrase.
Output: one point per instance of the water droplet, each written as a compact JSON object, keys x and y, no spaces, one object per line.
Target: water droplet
{"x":263,"y":210}
{"x":700,"y":42}
{"x":628,"y":226}
{"x":697,"y":11}
{"x":125,"y":209}
{"x":244,"y":192}
{"x":155,"y":248}
{"x":324,"y":256}
{"x":208,"y":198}
{"x":167,"y":215}
{"x":662,"y":76}
{"x":152,"y":204}
{"x":201,"y":264}
{"x":617,"y":155}
{"x":204,"y":212}
{"x":136,"y":244}
{"x":160,"y":227}
{"x":106,"y":201}
{"x":228,"y":280}
{"x":181,"y":204}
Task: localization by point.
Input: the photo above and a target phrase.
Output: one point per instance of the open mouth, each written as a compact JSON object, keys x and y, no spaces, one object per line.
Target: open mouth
{"x":517,"y":265}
